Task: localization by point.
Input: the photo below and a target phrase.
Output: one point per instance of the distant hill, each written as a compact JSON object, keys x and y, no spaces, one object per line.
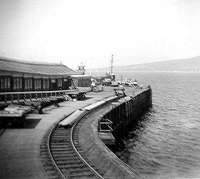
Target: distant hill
{"x":181,"y":65}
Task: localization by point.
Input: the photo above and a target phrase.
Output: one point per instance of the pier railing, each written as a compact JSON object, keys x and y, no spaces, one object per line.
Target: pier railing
{"x":105,"y":125}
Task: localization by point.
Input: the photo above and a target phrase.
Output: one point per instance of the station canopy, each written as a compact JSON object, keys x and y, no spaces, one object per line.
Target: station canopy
{"x":50,"y":69}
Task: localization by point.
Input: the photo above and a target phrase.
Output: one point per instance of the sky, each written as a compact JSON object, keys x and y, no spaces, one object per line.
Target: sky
{"x":90,"y":31}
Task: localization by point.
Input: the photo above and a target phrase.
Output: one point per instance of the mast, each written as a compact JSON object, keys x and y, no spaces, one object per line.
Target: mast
{"x":111,"y":67}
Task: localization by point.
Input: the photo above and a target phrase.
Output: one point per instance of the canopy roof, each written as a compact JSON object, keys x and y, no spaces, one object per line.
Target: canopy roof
{"x":34,"y":68}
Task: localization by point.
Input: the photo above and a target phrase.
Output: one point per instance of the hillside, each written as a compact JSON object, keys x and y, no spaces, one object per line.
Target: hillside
{"x":181,"y":65}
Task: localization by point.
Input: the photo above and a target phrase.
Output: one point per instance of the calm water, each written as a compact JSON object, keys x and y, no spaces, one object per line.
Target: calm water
{"x":166,"y":143}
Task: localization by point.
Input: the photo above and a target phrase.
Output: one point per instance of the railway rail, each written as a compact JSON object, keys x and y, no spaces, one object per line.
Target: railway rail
{"x":62,"y":156}
{"x":61,"y":153}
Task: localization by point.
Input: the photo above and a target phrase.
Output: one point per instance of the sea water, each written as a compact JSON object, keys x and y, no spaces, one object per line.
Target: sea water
{"x":166,"y":141}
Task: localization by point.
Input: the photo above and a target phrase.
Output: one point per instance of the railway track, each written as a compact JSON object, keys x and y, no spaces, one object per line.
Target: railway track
{"x":62,"y":156}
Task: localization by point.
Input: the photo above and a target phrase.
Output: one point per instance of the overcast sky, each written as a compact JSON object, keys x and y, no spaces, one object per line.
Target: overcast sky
{"x":89,"y":31}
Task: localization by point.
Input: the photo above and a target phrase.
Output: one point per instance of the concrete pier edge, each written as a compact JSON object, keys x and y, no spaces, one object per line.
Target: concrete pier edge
{"x":99,"y":153}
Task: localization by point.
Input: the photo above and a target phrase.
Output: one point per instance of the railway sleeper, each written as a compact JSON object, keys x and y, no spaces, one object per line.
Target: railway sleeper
{"x":64,"y":140}
{"x":82,"y":175}
{"x":44,"y":146}
{"x":53,"y":173}
{"x":60,"y":135}
{"x":66,"y":157}
{"x":54,"y":149}
{"x":64,"y":154}
{"x":61,"y":130}
{"x":54,"y":177}
{"x":48,"y":163}
{"x":45,"y":156}
{"x":49,"y":168}
{"x":71,"y":152}
{"x":72,"y":166}
{"x":67,"y":160}
{"x":43,"y":150}
{"x":86,"y":169}
{"x":60,"y":145}
{"x":64,"y":162}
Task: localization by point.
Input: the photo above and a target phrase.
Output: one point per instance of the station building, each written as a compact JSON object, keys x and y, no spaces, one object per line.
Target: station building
{"x":21,"y":76}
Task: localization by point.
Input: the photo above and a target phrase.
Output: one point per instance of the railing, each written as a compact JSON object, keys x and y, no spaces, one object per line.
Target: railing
{"x":105,"y":125}
{"x":10,"y":97}
{"x":120,"y":92}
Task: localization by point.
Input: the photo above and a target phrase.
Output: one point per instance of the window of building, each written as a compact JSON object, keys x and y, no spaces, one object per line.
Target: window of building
{"x":5,"y":83}
{"x":17,"y":83}
{"x":59,"y":82}
{"x":46,"y":84}
{"x":37,"y":83}
{"x":28,"y":84}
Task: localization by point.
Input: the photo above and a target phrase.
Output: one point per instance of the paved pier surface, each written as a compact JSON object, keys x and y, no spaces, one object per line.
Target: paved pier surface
{"x":92,"y":146}
{"x":20,"y":148}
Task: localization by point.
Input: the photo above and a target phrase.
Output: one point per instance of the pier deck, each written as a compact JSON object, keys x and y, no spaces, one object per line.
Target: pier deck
{"x":20,"y":148}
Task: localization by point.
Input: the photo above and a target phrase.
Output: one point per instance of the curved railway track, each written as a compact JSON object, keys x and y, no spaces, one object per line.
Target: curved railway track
{"x":62,"y":156}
